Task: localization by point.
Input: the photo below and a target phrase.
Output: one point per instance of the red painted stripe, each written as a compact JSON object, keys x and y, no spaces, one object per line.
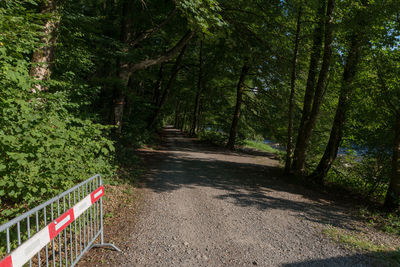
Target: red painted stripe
{"x":93,"y":196}
{"x":53,"y":231}
{"x":6,"y":262}
{"x":59,"y":224}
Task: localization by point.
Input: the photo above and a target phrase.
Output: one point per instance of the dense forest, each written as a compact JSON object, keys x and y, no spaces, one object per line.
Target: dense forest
{"x":81,"y":81}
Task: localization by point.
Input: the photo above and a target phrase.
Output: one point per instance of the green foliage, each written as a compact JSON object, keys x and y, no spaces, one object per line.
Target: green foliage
{"x":202,"y":14}
{"x":45,"y":145}
{"x":359,"y":241}
{"x":261,"y":146}
{"x":387,"y":222}
{"x":53,"y":139}
{"x":45,"y":150}
{"x":367,"y":174}
{"x":214,"y":137}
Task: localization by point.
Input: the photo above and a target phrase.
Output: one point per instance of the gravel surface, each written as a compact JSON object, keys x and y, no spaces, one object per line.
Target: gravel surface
{"x":203,"y":206}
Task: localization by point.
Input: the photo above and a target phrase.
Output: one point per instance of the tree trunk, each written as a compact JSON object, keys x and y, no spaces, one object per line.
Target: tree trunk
{"x":126,"y":69}
{"x":309,"y":124}
{"x":393,"y":194}
{"x":184,"y":118}
{"x":300,"y":151}
{"x":177,"y":114}
{"x":193,"y":130}
{"x":195,"y":123}
{"x":123,"y":67}
{"x":335,"y":138}
{"x":43,"y":58}
{"x":289,"y":146}
{"x":323,"y":75}
{"x":158,"y":87}
{"x":236,"y":115}
{"x":167,"y":90}
{"x":200,"y":124}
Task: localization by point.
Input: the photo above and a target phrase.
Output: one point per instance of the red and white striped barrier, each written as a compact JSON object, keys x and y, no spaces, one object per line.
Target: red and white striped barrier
{"x":32,"y":246}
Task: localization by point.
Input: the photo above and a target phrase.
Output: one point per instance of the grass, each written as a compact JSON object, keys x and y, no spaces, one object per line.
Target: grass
{"x":261,"y":146}
{"x":353,"y":241}
{"x":386,"y":222}
{"x":358,"y":241}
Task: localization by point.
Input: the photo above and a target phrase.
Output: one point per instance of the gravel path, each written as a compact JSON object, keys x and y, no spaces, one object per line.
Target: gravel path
{"x":204,"y":206}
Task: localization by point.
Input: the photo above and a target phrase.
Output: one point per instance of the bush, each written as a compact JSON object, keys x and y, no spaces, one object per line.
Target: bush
{"x":45,"y":150}
{"x":367,"y":174}
{"x":214,"y":137}
{"x":46,"y":144}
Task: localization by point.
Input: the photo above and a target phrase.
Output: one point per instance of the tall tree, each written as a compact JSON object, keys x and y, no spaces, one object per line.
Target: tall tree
{"x":309,"y":124}
{"x":123,"y":65}
{"x":127,"y":68}
{"x":196,"y":110}
{"x":239,"y":100}
{"x":323,"y":74}
{"x":357,"y":40}
{"x":392,"y":200}
{"x":43,"y":58}
{"x":158,"y":87}
{"x":388,"y":79}
{"x":300,"y":150}
{"x":289,"y":146}
{"x":167,"y":90}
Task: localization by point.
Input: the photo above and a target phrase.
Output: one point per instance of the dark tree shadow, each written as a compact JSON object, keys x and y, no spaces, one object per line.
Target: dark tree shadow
{"x":243,"y":184}
{"x":191,"y":144}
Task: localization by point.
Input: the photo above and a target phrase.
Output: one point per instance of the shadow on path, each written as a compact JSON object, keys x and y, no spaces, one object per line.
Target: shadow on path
{"x":244,"y":184}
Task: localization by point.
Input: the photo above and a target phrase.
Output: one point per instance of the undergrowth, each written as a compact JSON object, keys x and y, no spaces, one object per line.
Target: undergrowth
{"x":262,"y":147}
{"x":359,"y":242}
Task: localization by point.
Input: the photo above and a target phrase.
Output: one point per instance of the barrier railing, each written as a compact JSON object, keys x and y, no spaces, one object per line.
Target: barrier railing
{"x":59,"y":231}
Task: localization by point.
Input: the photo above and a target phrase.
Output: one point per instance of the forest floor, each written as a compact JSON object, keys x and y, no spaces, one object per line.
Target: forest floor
{"x":200,"y":205}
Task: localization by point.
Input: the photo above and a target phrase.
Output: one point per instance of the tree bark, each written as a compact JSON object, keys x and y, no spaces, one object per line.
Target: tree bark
{"x":158,"y":87}
{"x":177,"y":114}
{"x":289,"y":146}
{"x":392,"y":199}
{"x":239,"y":100}
{"x":126,"y":69}
{"x":123,"y":67}
{"x":309,"y":124}
{"x":323,"y":75}
{"x":184,"y":118}
{"x":167,"y":90}
{"x":336,"y":134}
{"x":43,"y":58}
{"x":194,"y":129}
{"x":300,"y":150}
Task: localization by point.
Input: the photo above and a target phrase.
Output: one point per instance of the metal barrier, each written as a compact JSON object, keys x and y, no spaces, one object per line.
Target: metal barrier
{"x":59,"y":231}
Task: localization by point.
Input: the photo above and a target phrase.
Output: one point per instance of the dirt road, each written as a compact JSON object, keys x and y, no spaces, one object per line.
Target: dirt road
{"x":204,"y":206}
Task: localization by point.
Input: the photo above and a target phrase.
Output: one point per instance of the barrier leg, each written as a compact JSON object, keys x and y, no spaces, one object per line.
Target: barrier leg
{"x":102,"y":244}
{"x":106,"y":245}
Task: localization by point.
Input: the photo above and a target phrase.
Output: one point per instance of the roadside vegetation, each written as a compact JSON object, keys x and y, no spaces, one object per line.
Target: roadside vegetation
{"x":260,"y":145}
{"x":359,"y":241}
{"x":85,"y":83}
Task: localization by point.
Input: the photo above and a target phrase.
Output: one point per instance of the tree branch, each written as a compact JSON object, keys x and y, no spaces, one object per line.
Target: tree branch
{"x":166,"y":56}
